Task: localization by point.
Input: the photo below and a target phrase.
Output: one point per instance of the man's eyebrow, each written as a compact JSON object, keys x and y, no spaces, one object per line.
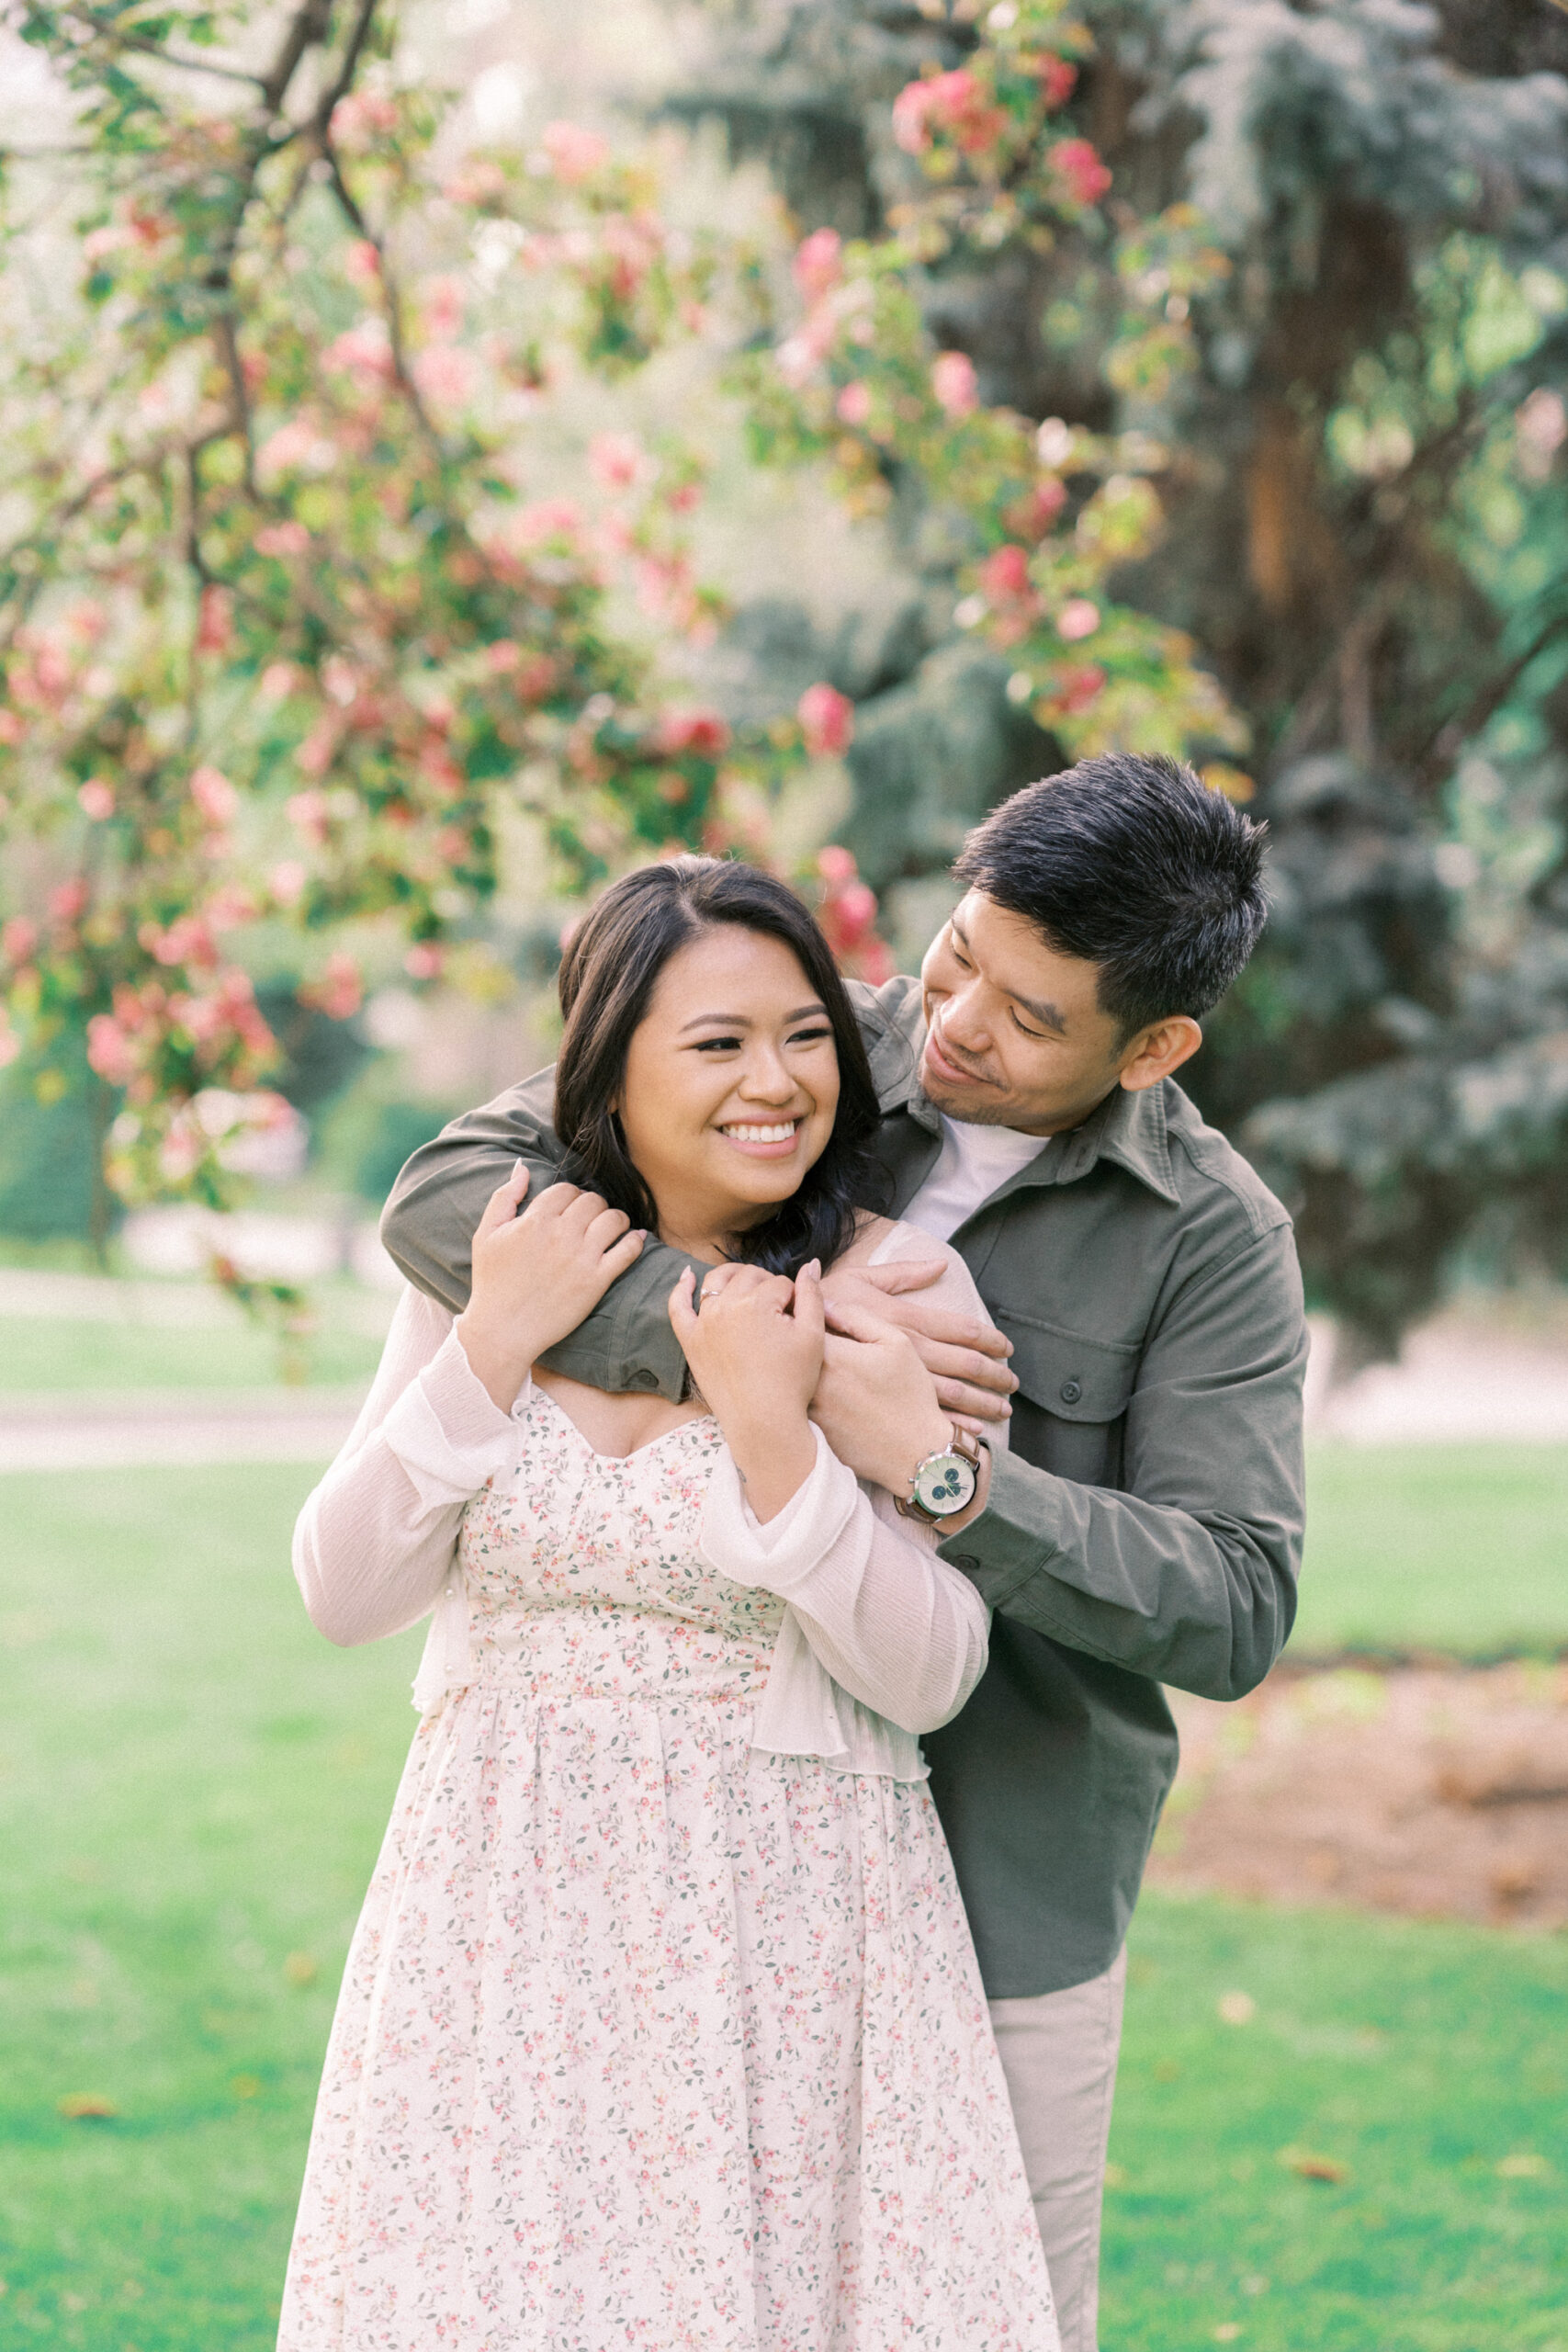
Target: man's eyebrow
{"x":743,"y":1020}
{"x":1051,"y":1015}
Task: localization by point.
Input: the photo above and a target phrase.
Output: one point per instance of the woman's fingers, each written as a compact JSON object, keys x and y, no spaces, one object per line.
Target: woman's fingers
{"x":975,"y":1407}
{"x":854,"y":1323}
{"x":683,"y":1314}
{"x":623,"y":1253}
{"x":808,"y":1313}
{"x":501,"y":1206}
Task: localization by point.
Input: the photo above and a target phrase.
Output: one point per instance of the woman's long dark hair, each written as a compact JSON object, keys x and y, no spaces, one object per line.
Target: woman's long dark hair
{"x":607,"y":977}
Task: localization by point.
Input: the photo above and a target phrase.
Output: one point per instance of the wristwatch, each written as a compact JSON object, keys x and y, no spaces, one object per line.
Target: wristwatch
{"x":944,"y":1484}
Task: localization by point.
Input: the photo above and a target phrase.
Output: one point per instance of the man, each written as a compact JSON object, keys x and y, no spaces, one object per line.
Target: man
{"x":1145,"y":1524}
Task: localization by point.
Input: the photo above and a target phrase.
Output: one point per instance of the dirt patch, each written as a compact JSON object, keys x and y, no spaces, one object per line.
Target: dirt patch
{"x":1436,"y":1791}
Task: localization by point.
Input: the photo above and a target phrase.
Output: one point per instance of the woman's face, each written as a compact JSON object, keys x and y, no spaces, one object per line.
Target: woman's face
{"x":731,"y":1085}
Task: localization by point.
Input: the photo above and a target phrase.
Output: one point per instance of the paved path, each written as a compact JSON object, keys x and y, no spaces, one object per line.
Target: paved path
{"x":121,"y":1430}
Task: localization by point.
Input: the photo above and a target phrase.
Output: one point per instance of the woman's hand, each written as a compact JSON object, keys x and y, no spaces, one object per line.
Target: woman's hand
{"x":876,"y":1404}
{"x":754,"y":1346}
{"x":536,"y":1276}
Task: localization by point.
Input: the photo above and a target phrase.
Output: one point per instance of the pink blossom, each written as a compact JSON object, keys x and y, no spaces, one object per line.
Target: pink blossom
{"x":363,"y":351}
{"x":230,"y":905}
{"x":316,"y":753}
{"x":443,"y":309}
{"x":214,"y":795}
{"x":10,"y":1044}
{"x":11,"y":728}
{"x":953,"y":383}
{"x":362,"y":262}
{"x":1032,"y":517}
{"x":818,"y":263}
{"x":1077,"y":684}
{"x":1057,"y":77}
{"x":1077,"y":618}
{"x":1005,"y":575}
{"x":619,"y":460}
{"x":700,"y":731}
{"x":299,"y":442}
{"x":188,"y":941}
{"x":340,"y":990}
{"x":215,"y":620}
{"x":277,"y":681}
{"x":180,"y":1153}
{"x":68,"y":902}
{"x":854,"y":404}
{"x":956,"y":104}
{"x":307,"y":812}
{"x":547,"y":519}
{"x":836,"y":865}
{"x":1076,"y":164}
{"x":102,"y":241}
{"x":826,"y":719}
{"x":87,"y":621}
{"x":444,"y":374}
{"x":358,"y":119}
{"x":800,"y":355}
{"x":424,"y":960}
{"x":19,"y":939}
{"x":95,"y":799}
{"x":110,"y":1050}
{"x":575,"y":154}
{"x":281,"y":538}
{"x":287,"y":882}
{"x":504,"y":654}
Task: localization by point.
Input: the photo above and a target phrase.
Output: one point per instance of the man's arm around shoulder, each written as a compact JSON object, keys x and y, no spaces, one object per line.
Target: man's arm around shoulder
{"x":427,"y":1229}
{"x":1188,"y":1574}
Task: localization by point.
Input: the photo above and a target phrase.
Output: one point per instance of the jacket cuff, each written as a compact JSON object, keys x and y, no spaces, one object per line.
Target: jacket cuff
{"x":446,"y":1429}
{"x":630,"y":1342}
{"x":1015,"y":1535}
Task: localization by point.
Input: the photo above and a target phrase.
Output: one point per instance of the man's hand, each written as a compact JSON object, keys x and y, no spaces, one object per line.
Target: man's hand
{"x":876,"y":1404}
{"x":967,"y":1358}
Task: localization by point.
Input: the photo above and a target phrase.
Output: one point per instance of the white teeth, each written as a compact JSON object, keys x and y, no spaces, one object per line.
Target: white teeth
{"x":764,"y":1135}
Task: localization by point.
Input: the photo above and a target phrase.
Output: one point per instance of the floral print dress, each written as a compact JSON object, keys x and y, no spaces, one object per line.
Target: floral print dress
{"x":650,"y":2037}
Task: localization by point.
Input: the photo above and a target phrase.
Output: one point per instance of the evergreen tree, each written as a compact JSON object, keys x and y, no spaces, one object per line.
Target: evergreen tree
{"x":1365,"y":518}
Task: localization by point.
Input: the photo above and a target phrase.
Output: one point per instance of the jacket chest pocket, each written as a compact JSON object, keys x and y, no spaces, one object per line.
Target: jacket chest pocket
{"x":1071,"y":1397}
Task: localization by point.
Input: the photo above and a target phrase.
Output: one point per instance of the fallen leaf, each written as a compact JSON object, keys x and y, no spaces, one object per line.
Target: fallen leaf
{"x":1523,"y":2167}
{"x":300,"y":1969}
{"x":1238,"y":2008}
{"x":1308,"y":2165}
{"x":78,"y":2105}
{"x":246,"y":2087}
{"x":1227,"y":2331}
{"x":1116,"y":2176}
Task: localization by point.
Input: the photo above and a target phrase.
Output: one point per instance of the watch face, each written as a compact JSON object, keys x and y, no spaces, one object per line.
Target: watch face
{"x":944,"y":1485}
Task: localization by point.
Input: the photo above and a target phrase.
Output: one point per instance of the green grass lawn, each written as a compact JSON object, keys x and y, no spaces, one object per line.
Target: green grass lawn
{"x":1447,"y":1547}
{"x":38,"y":1352}
{"x":192,"y":1790}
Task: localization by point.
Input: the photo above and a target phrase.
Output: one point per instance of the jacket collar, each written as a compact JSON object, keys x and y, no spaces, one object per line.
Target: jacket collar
{"x":1130,"y":1129}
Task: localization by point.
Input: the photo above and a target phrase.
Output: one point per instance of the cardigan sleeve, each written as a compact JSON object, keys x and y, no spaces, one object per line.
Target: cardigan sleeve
{"x":373,"y":1545}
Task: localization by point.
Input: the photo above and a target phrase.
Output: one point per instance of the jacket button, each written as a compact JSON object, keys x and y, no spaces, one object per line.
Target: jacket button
{"x":1071,"y":1391}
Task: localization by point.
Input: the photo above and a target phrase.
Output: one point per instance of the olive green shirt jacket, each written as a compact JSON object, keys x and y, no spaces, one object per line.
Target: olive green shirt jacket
{"x":1146,"y":1525}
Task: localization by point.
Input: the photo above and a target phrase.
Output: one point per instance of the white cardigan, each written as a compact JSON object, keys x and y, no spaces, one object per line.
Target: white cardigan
{"x":880,"y":1639}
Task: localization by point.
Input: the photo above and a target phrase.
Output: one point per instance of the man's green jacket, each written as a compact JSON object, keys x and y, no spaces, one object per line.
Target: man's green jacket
{"x":1146,"y":1525}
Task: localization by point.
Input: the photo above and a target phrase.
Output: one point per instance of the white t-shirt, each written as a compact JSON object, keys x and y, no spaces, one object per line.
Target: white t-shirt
{"x":972,"y":1163}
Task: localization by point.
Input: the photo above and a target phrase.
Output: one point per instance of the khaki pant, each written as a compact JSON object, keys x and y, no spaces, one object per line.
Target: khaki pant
{"x":1058,"y":2053}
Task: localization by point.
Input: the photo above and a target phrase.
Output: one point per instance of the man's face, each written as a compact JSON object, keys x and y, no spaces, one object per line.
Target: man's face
{"x":1015,"y":1035}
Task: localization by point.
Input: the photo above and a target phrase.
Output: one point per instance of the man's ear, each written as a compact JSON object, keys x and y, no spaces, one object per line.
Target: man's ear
{"x":1159,"y":1051}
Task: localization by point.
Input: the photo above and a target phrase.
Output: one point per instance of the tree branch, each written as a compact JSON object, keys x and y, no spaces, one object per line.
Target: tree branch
{"x":144,"y":48}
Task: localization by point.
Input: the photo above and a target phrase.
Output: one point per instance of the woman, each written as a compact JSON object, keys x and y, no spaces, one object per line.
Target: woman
{"x":662,"y":2026}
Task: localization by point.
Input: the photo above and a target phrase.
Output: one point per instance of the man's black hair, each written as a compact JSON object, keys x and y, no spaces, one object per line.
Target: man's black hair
{"x":1131,"y":862}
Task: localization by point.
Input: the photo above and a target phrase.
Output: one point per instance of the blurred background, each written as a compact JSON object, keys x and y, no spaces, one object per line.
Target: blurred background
{"x":453,"y":452}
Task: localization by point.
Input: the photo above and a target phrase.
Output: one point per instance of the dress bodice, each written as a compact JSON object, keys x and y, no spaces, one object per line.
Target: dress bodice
{"x":582,"y":1575}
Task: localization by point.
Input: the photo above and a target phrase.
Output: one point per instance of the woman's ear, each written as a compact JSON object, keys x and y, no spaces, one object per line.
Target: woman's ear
{"x":1159,"y":1051}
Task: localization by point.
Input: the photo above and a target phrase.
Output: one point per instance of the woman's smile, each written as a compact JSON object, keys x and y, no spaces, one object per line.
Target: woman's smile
{"x":775,"y":1139}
